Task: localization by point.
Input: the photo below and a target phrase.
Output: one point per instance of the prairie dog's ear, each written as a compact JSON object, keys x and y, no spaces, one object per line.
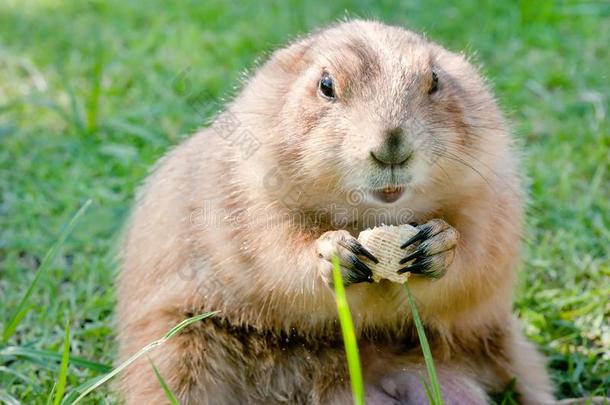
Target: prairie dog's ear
{"x":290,"y":59}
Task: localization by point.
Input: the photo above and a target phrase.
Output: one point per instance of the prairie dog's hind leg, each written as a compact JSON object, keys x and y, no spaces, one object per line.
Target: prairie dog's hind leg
{"x":193,"y":363}
{"x":405,"y":387}
{"x":138,"y":383}
{"x":456,"y":387}
{"x":528,"y":368}
{"x":373,"y":395}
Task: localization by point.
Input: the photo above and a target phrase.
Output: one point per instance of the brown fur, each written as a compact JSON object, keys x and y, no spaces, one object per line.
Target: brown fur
{"x":213,"y":230}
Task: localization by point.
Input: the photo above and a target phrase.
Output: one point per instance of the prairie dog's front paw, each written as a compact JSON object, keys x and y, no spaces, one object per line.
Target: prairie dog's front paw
{"x":435,"y":252}
{"x":349,"y":251}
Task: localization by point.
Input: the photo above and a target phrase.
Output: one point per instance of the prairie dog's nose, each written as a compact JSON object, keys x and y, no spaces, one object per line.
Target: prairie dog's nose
{"x":393,"y":150}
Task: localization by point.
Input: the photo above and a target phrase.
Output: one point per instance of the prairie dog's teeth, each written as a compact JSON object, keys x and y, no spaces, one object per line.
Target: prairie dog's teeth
{"x":384,"y":243}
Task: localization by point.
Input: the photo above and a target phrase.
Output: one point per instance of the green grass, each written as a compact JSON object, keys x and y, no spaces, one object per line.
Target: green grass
{"x":23,"y":307}
{"x":60,"y":387}
{"x":89,"y":100}
{"x":432,"y":385}
{"x":166,"y":390}
{"x":349,"y":335}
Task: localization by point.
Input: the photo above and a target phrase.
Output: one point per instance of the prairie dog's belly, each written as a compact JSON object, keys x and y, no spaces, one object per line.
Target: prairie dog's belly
{"x":289,"y":368}
{"x":290,"y":364}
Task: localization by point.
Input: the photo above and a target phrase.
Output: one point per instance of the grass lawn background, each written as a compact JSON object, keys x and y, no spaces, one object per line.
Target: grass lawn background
{"x":92,"y":93}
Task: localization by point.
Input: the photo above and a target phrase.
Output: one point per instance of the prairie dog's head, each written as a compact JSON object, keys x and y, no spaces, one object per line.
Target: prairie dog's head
{"x":370,"y":107}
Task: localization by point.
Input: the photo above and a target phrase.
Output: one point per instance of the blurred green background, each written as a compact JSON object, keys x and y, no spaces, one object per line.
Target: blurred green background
{"x":92,"y":93}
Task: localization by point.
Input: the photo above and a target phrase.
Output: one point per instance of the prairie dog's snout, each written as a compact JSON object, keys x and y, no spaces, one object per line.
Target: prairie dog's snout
{"x":393,"y":149}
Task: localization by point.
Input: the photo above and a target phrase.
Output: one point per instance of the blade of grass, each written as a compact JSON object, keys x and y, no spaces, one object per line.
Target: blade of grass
{"x":39,"y":101}
{"x":34,"y":354}
{"x":168,"y":392}
{"x":51,"y":394}
{"x":427,"y":388}
{"x":98,"y":381}
{"x":18,"y":376}
{"x":71,"y":396}
{"x":8,"y":399}
{"x":349,"y":336}
{"x":96,"y":82}
{"x":63,"y":368}
{"x":22,"y":309}
{"x":76,"y":117}
{"x":436,"y":396}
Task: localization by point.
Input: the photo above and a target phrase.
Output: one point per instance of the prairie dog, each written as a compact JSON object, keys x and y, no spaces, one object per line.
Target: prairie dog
{"x":352,"y":126}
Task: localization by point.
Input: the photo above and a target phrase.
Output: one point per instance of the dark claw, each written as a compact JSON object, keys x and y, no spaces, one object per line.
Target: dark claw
{"x":417,"y":253}
{"x":355,"y":247}
{"x":422,"y":234}
{"x":356,"y":274}
{"x":352,"y":278}
{"x":419,"y":267}
{"x":361,"y":269}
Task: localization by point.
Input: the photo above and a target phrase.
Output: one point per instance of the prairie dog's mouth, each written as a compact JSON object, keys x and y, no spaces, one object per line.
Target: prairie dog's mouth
{"x":388,"y":194}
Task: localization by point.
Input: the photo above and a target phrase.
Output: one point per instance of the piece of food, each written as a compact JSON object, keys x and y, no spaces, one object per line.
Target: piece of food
{"x":384,"y":243}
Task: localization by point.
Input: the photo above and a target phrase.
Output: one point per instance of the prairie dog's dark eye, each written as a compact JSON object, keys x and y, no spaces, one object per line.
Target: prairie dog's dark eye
{"x":434,"y":84}
{"x":326,"y":86}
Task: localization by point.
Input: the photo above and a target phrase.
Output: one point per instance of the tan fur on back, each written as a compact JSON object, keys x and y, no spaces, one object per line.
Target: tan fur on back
{"x":216,"y":230}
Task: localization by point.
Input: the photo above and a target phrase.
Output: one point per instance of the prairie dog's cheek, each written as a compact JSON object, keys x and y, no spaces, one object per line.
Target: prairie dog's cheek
{"x":320,"y":150}
{"x":308,"y":117}
{"x":421,"y":169}
{"x":356,"y":147}
{"x":362,"y":134}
